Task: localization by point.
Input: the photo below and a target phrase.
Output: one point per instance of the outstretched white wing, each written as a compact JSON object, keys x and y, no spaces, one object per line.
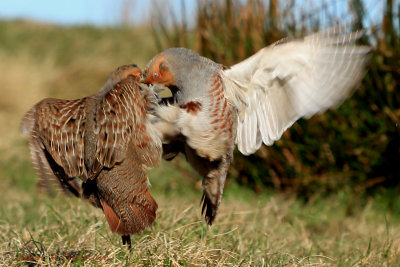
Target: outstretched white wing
{"x":289,"y":80}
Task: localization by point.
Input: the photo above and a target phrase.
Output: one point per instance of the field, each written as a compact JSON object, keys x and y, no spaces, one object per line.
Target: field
{"x":263,"y":228}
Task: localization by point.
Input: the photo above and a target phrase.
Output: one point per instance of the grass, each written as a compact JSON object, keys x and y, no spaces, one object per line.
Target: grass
{"x":251,"y":229}
{"x":263,"y":229}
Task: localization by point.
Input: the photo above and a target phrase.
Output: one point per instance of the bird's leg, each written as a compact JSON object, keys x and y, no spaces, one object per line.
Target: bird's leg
{"x":213,"y":187}
{"x":214,"y":175}
{"x":126,"y":240}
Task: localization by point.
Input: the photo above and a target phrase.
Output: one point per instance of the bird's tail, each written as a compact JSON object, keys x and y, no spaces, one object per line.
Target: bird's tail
{"x":127,"y":204}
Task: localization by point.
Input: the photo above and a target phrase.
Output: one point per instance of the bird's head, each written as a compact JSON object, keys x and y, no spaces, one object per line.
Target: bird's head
{"x":175,"y":69}
{"x":172,"y":67}
{"x":122,"y":72}
{"x":125,"y":71}
{"x":159,"y":71}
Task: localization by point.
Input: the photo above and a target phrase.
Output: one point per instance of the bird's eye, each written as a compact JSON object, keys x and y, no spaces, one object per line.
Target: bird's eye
{"x":155,"y":75}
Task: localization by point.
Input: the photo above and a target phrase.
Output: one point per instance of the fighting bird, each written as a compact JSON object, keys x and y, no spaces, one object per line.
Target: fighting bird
{"x":214,"y":107}
{"x":106,"y":140}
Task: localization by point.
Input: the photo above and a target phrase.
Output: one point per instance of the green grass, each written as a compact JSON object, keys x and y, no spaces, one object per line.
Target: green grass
{"x":266,"y":229}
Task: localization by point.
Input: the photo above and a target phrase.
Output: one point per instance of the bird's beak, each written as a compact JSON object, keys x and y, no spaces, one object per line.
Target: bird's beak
{"x":161,"y":90}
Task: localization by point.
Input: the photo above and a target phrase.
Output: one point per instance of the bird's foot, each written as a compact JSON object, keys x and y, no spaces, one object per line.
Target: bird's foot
{"x":126,"y":240}
{"x":209,"y":208}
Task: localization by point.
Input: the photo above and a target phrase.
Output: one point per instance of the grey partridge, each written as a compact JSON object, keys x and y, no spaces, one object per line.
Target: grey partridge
{"x":106,"y":140}
{"x":214,"y":108}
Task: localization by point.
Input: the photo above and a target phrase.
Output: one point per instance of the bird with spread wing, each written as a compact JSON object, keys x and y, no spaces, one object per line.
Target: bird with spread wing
{"x":213,"y":107}
{"x":107,"y":140}
{"x":110,"y":138}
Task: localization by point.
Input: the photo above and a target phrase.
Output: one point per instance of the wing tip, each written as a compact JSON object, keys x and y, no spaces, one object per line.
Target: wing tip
{"x":27,"y":122}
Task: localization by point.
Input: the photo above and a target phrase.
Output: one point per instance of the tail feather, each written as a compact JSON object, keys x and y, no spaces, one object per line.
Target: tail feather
{"x":127,"y":204}
{"x":116,"y":225}
{"x":133,"y":217}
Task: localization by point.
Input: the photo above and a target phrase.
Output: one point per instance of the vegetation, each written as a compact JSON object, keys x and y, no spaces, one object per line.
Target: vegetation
{"x":265,"y":230}
{"x":337,"y":174}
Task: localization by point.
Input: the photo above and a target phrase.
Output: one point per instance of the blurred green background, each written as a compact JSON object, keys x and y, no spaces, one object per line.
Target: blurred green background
{"x":345,"y":162}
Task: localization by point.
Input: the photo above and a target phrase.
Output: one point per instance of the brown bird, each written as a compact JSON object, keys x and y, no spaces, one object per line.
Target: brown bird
{"x":253,"y":102}
{"x":107,"y":141}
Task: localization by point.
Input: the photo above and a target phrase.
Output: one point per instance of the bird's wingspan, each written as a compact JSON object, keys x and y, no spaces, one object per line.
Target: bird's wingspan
{"x":286,"y":81}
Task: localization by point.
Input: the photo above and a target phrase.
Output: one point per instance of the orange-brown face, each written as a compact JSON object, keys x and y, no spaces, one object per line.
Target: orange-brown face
{"x":135,"y":72}
{"x":159,"y":73}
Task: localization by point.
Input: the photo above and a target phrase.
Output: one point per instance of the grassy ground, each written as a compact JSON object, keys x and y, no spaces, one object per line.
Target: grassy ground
{"x":263,"y":229}
{"x":251,"y":230}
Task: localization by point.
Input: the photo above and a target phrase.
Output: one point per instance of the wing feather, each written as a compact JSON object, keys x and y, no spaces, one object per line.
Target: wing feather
{"x":86,"y":134}
{"x":286,"y":81}
{"x":59,"y":125}
{"x":121,"y":119}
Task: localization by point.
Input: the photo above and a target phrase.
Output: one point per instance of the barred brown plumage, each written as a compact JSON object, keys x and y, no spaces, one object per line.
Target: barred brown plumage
{"x":107,"y":141}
